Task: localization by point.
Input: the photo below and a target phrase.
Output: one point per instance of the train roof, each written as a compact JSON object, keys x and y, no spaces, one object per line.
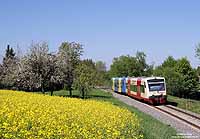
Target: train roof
{"x":142,"y":78}
{"x":149,"y":78}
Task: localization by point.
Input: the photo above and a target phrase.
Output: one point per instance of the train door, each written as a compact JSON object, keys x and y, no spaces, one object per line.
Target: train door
{"x":116,"y":85}
{"x":142,"y":89}
{"x":128,"y":83}
{"x":138,"y":87}
{"x":133,"y":87}
{"x":113,"y":84}
{"x":123,"y":85}
{"x":120,"y":85}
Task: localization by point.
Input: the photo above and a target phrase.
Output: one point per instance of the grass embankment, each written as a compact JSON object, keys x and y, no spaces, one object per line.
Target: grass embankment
{"x":151,"y":128}
{"x":28,"y":115}
{"x":187,"y":104}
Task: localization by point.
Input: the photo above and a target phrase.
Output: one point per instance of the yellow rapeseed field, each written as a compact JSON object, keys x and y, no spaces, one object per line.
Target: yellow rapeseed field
{"x":28,"y":115}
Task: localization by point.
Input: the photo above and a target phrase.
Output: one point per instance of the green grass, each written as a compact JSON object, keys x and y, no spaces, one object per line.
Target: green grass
{"x":187,"y":104}
{"x":150,"y":127}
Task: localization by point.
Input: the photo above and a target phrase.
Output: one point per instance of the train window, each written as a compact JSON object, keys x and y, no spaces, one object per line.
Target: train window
{"x":133,"y":88}
{"x":116,"y":83}
{"x":156,"y":85}
{"x":142,"y":88}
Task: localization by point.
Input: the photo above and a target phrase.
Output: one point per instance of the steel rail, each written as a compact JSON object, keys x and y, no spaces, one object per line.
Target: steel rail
{"x":178,"y":117}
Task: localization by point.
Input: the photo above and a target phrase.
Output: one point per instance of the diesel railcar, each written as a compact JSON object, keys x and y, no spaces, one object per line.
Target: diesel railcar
{"x":148,"y":89}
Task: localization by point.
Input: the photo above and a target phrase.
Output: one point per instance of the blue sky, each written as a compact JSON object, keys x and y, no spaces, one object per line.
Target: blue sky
{"x":106,"y":28}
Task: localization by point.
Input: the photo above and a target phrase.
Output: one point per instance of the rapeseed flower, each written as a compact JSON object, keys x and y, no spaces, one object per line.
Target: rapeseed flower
{"x":29,"y":115}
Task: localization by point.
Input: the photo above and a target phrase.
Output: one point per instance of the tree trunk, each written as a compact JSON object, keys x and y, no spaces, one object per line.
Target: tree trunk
{"x":51,"y":92}
{"x":70,"y":91}
{"x":83,"y":92}
{"x":42,"y":88}
{"x":52,"y":88}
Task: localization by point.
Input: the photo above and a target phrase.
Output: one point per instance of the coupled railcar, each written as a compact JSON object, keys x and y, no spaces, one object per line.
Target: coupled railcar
{"x":148,"y":89}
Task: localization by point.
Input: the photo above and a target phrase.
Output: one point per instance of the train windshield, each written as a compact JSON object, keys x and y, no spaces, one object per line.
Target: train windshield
{"x":156,"y":85}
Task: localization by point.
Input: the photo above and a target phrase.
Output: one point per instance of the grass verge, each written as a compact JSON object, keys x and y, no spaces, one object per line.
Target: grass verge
{"x":151,"y":128}
{"x":187,"y":104}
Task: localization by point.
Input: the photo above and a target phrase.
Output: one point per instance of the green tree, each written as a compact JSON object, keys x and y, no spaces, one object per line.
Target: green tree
{"x":89,"y":63}
{"x":130,"y":66}
{"x":85,"y":78}
{"x":123,"y":66}
{"x":173,"y":79}
{"x":197,"y":51}
{"x":198,"y":71}
{"x":100,"y":66}
{"x":141,"y":64}
{"x":103,"y":78}
{"x":181,"y":79}
{"x":9,"y":53}
{"x":8,"y":68}
{"x":69,"y":58}
{"x":190,"y":79}
{"x":169,"y":62}
{"x":149,"y":70}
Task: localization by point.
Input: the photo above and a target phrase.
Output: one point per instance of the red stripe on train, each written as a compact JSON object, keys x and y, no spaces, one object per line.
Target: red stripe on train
{"x":138,"y":87}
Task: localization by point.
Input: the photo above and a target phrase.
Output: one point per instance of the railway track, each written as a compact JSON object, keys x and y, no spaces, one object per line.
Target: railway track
{"x":186,"y":127}
{"x":182,"y":115}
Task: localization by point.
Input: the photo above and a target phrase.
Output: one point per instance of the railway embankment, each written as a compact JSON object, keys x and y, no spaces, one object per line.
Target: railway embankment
{"x":183,"y":128}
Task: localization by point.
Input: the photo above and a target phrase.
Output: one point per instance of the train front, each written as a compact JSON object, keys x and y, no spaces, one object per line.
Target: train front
{"x":157,"y":90}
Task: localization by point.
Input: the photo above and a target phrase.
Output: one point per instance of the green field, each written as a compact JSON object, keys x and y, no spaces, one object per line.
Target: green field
{"x":187,"y":104}
{"x":151,"y":128}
